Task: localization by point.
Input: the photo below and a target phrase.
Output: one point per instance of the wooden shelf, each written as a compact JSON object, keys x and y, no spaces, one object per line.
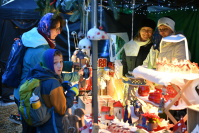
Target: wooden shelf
{"x":182,"y":104}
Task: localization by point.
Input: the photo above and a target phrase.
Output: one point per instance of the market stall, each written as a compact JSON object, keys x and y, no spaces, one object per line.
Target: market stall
{"x":110,"y":106}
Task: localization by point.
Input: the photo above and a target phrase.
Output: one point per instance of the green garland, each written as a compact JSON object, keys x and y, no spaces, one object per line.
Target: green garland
{"x":44,"y":7}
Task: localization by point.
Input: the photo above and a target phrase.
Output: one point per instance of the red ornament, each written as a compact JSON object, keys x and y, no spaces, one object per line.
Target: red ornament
{"x":143,"y":90}
{"x":111,"y":65}
{"x":155,"y":97}
{"x":100,"y":27}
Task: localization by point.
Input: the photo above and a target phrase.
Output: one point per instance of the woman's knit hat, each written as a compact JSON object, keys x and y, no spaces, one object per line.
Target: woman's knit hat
{"x":44,"y":24}
{"x":148,"y":23}
{"x":44,"y":28}
{"x":48,"y":59}
{"x":167,"y":22}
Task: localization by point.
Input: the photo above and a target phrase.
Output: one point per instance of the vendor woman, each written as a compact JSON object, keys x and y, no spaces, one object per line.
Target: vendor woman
{"x":138,"y":48}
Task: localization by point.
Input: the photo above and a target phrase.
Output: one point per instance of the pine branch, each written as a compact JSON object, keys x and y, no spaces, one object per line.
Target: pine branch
{"x":75,"y":16}
{"x":45,"y":7}
{"x":114,"y":9}
{"x":68,"y":4}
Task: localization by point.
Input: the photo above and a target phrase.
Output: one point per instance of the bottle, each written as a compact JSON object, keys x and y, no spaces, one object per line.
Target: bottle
{"x":35,"y":102}
{"x":150,"y":66}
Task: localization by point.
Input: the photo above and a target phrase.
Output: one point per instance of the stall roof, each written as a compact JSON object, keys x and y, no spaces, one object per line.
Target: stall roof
{"x":19,"y":9}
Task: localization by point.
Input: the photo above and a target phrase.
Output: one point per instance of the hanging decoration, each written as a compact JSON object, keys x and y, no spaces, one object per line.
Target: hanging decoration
{"x":96,"y":34}
{"x":85,"y":44}
{"x":84,"y":18}
{"x":74,"y":34}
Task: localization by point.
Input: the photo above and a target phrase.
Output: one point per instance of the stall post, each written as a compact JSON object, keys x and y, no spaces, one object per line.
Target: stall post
{"x":94,"y":64}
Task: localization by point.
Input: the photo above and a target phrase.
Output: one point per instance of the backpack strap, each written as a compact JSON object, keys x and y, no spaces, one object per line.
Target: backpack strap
{"x":38,"y":89}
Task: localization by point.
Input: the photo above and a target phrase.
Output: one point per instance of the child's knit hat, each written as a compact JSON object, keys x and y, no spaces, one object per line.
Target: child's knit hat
{"x":48,"y":59}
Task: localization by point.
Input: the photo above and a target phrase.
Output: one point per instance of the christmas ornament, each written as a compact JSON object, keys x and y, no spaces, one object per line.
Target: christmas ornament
{"x":85,"y":46}
{"x":96,"y":34}
{"x":74,"y":34}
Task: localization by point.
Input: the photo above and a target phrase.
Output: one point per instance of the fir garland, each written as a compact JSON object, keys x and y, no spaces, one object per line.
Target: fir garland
{"x":46,"y":6}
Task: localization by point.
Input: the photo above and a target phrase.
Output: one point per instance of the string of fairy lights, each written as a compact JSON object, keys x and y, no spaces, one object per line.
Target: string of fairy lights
{"x":162,"y":9}
{"x":151,"y":8}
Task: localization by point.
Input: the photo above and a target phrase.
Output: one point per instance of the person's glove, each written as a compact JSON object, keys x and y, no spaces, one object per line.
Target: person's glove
{"x":75,"y":89}
{"x":66,"y":85}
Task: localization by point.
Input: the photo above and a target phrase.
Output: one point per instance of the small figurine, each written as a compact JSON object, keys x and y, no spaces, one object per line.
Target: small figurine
{"x":127,"y":112}
{"x":137,"y":108}
{"x":80,"y":113}
{"x":118,"y":109}
{"x":71,"y":123}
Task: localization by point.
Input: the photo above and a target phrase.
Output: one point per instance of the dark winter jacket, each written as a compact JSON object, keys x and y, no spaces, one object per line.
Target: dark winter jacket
{"x":53,"y":95}
{"x":137,"y":57}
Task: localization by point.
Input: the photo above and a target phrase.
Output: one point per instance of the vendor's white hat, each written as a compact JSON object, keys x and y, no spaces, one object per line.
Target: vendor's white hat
{"x":167,"y":22}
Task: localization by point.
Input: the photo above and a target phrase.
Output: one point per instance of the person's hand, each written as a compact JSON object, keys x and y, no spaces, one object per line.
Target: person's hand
{"x":81,"y":72}
{"x":66,"y":85}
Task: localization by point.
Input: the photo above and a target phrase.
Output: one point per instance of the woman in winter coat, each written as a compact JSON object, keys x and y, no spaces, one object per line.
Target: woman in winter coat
{"x":137,"y":50}
{"x":170,"y":50}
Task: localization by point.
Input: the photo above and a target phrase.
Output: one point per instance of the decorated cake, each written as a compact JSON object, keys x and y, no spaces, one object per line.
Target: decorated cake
{"x":182,"y":66}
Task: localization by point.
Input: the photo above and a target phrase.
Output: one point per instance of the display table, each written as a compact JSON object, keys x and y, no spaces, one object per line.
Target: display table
{"x":186,"y":82}
{"x":86,"y":102}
